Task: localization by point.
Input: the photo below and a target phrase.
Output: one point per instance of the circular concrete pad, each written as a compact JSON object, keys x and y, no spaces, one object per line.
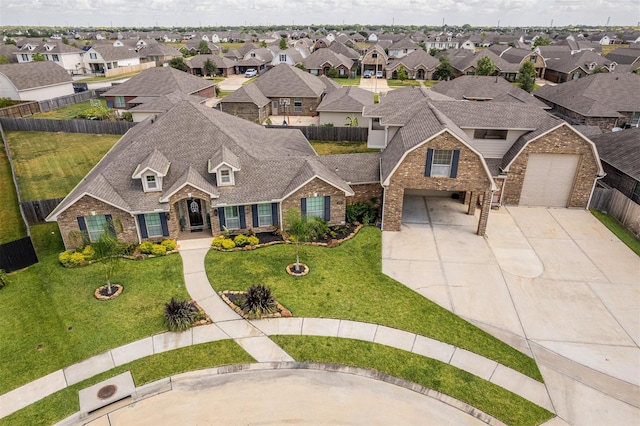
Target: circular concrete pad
{"x":275,"y":397}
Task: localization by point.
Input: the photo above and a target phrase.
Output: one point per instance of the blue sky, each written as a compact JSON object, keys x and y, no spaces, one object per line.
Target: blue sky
{"x":305,"y":12}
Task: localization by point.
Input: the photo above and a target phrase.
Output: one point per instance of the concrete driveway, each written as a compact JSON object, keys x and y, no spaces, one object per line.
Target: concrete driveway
{"x":233,"y":82}
{"x":376,"y":85}
{"x":554,"y":283}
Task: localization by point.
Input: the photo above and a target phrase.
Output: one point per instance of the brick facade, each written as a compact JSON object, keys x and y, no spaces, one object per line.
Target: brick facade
{"x":367,"y":192}
{"x":309,"y":106}
{"x":318,"y":188}
{"x":410,"y":175}
{"x":247,"y":110}
{"x":87,"y":206}
{"x":563,"y":140}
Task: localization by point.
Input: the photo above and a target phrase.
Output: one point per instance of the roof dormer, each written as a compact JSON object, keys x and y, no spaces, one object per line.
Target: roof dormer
{"x":224,"y":164}
{"x":151,"y":171}
{"x":49,"y":47}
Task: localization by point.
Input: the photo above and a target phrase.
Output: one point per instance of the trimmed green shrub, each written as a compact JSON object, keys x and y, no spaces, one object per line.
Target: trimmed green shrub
{"x":70,"y":258}
{"x":158,"y":250}
{"x":253,"y":240}
{"x":179,"y":315}
{"x":88,"y":253}
{"x":169,"y":244}
{"x":146,"y":247}
{"x":228,"y":244}
{"x":241,"y":240}
{"x":362,"y":212}
{"x":217,"y":241}
{"x":259,"y":301}
{"x":4,"y":280}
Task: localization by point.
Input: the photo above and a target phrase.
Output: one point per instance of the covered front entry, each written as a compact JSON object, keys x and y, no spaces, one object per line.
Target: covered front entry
{"x":194,"y":215}
{"x":549,"y":180}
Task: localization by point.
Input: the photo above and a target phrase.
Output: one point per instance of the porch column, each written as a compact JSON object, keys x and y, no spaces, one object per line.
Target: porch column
{"x":473,"y":201}
{"x":484,"y":213}
{"x":467,"y":197}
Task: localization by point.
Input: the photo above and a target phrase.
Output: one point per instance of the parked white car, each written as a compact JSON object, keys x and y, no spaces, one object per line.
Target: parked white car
{"x":250,"y":73}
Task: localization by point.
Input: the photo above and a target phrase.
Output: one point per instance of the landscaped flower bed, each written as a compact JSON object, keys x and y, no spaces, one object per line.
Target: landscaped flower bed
{"x":86,"y":255}
{"x":231,"y":297}
{"x":334,"y":238}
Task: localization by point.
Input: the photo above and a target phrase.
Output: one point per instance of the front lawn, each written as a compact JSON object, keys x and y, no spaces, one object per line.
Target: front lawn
{"x":347,"y":283}
{"x":430,"y":373}
{"x":68,"y":112}
{"x":619,"y":230}
{"x":11,"y":224}
{"x":50,"y":319}
{"x":104,"y":79}
{"x":145,"y":370}
{"x":50,"y":165}
{"x":403,"y":83}
{"x":347,"y":81}
{"x":328,"y":148}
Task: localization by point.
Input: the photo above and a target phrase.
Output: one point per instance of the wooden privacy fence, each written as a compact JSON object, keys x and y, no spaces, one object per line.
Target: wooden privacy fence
{"x":75,"y":98}
{"x":24,"y":109}
{"x":336,"y":134}
{"x":17,"y":254}
{"x":616,"y":204}
{"x":36,"y":211}
{"x":68,"y":126}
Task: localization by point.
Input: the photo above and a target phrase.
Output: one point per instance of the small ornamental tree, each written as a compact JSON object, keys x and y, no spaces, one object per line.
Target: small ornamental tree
{"x":303,"y":229}
{"x":178,"y":63}
{"x":445,"y":70}
{"x":540,"y":41}
{"x":108,"y":251}
{"x":203,"y":48}
{"x":402,"y":73}
{"x":527,"y":76}
{"x":283,"y":43}
{"x":352,"y":121}
{"x":37,"y":57}
{"x":208,"y":67}
{"x":332,"y":72}
{"x":485,"y":66}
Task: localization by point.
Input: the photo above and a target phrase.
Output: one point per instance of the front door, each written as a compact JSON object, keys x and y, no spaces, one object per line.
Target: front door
{"x":194,"y":206}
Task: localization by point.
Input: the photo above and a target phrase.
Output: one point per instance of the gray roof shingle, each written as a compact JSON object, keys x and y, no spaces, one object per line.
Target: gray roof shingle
{"x":31,"y":75}
{"x":159,"y":81}
{"x":288,"y":81}
{"x":621,"y":150}
{"x":346,"y":99}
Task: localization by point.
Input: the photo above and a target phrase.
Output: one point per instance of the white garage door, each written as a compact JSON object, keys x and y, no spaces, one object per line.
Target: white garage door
{"x":549,"y":179}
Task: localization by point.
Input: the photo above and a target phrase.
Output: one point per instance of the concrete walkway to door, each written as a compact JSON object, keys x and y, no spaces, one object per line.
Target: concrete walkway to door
{"x":554,"y":283}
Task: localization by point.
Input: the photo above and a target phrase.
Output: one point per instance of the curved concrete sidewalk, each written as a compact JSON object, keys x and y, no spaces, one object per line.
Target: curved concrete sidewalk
{"x":253,"y":337}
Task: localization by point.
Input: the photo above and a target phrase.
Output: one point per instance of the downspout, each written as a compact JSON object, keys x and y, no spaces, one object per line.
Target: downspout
{"x":135,"y":221}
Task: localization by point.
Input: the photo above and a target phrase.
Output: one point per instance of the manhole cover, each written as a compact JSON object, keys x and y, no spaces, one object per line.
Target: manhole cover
{"x":107,"y":391}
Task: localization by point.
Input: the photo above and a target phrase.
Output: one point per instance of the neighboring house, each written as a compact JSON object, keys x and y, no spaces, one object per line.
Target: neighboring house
{"x":34,"y":81}
{"x":345,"y":102}
{"x":520,"y":56}
{"x":465,"y":62}
{"x":154,"y":105}
{"x":345,"y":50}
{"x":441,"y":42}
{"x":68,"y":57}
{"x":564,"y":66}
{"x":402,"y":48}
{"x":291,"y":56}
{"x":193,"y":47}
{"x":322,"y":60}
{"x":375,"y":59}
{"x":247,"y":102}
{"x":290,"y":91}
{"x":9,"y":51}
{"x":489,"y":153}
{"x":223,"y":66}
{"x":224,"y":174}
{"x":100,"y":58}
{"x":629,"y":57}
{"x":156,"y":82}
{"x":419,"y":65}
{"x":620,"y":156}
{"x":158,"y":53}
{"x":486,"y":88}
{"x":603,"y":100}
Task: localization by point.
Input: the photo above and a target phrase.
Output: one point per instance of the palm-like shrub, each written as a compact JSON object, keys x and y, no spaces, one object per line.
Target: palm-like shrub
{"x":259,"y":301}
{"x":179,"y":315}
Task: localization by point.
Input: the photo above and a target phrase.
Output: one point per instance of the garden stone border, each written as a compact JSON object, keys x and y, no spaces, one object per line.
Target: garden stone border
{"x":290,"y":270}
{"x":99,"y":296}
{"x":284,"y":312}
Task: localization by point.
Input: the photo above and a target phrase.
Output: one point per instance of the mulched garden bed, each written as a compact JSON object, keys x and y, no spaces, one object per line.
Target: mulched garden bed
{"x":268,"y":237}
{"x":340,"y":233}
{"x":230,"y":297}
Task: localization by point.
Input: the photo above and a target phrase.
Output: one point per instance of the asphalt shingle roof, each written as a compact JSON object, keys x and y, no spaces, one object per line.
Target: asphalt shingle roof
{"x":159,"y":81}
{"x":247,"y":94}
{"x":346,"y":99}
{"x":30,"y":75}
{"x":288,"y":81}
{"x":621,"y":150}
{"x":273,"y":160}
{"x":355,"y":168}
{"x":597,"y":95}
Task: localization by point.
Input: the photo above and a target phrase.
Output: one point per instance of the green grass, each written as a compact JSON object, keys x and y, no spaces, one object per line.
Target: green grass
{"x":237,"y":45}
{"x":68,"y":112}
{"x":49,"y":165}
{"x":347,"y":81}
{"x":430,"y":373}
{"x":11,"y":224}
{"x":327,"y":148}
{"x":430,"y":83}
{"x":223,"y":93}
{"x":405,"y":83}
{"x":347,"y":282}
{"x":104,"y":79}
{"x":43,"y":301}
{"x":145,"y":370}
{"x":619,"y":230}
